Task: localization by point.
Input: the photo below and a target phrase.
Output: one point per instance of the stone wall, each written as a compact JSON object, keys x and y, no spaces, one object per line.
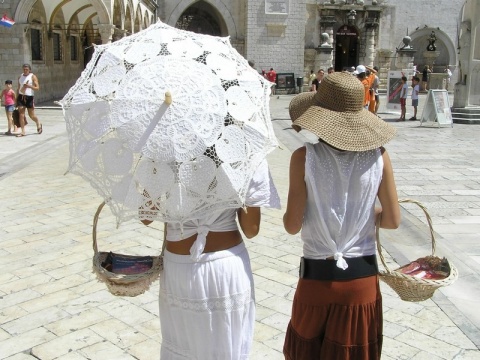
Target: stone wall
{"x":414,"y":16}
{"x":276,"y":41}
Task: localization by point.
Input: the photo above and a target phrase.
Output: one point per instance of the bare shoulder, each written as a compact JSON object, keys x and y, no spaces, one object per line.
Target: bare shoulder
{"x":299,"y":153}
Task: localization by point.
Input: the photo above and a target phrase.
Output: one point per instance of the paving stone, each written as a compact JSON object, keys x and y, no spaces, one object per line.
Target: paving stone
{"x":25,"y":341}
{"x":147,"y":350}
{"x":21,"y":357}
{"x":63,"y":345}
{"x":412,"y":322}
{"x":82,"y":320}
{"x":105,"y":350}
{"x":429,"y":344}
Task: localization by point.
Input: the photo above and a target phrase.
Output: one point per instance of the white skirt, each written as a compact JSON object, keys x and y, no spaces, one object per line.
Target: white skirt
{"x":207,"y":307}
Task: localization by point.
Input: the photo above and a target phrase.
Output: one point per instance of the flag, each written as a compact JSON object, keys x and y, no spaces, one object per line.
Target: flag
{"x":5,"y":21}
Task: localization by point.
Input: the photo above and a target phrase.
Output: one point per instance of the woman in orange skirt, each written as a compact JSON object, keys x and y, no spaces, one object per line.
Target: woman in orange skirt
{"x":334,"y":184}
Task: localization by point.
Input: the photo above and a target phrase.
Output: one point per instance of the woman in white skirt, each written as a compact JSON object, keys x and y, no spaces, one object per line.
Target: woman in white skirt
{"x":207,"y":302}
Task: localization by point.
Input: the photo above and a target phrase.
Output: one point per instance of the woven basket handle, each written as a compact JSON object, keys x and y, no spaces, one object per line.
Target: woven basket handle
{"x":377,"y":230}
{"x":94,"y":231}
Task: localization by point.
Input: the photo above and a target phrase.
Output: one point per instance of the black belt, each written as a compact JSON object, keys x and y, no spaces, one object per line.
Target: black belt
{"x":327,"y":269}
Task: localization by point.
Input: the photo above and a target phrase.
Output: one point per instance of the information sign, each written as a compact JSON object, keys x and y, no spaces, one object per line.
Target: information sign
{"x":276,"y":7}
{"x":394,"y":88}
{"x":437,"y":109}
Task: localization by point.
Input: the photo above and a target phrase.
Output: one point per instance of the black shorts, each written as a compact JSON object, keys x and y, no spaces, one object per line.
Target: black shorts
{"x":25,"y":101}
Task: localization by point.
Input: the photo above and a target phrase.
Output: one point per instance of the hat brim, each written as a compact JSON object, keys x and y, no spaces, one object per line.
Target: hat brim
{"x":351,"y":131}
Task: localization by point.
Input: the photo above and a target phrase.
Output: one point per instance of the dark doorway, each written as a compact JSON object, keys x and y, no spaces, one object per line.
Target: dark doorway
{"x":87,"y":47}
{"x":346,"y":48}
{"x":201,"y":18}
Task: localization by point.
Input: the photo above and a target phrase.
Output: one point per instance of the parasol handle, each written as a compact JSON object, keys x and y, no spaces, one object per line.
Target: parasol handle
{"x":148,"y":131}
{"x":168,"y":98}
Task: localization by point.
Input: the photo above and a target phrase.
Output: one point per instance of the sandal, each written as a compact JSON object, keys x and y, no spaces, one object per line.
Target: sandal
{"x":20,"y":135}
{"x":7,"y":132}
{"x":40,"y":129}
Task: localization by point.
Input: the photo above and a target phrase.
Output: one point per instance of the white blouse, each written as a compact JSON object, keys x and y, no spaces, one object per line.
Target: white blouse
{"x":261,"y":193}
{"x":339,"y":217}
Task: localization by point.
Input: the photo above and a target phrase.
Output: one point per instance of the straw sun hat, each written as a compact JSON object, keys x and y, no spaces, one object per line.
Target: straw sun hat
{"x":335,"y":114}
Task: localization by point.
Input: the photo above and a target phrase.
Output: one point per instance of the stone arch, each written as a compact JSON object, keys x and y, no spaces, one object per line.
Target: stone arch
{"x":118,"y":14}
{"x":448,"y":53}
{"x":57,"y":17}
{"x":74,"y":19}
{"x":229,"y":27}
{"x":146,"y":20}
{"x":138,"y":25}
{"x":23,"y":10}
{"x":129,"y":20}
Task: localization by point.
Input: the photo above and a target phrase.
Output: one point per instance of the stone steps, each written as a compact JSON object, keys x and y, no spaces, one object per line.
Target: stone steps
{"x":468,"y":115}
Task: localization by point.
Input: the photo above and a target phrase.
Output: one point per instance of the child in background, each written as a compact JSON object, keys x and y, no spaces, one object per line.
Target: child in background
{"x":415,"y":91}
{"x":403,"y":98}
{"x":8,"y":100}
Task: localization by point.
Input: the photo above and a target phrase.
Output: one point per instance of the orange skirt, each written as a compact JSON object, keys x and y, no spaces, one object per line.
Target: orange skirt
{"x":371,"y":105}
{"x":332,"y":320}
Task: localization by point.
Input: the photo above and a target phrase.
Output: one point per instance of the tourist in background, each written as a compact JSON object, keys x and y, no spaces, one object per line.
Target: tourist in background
{"x":403,"y":99}
{"x":426,"y":71}
{"x":449,"y":77}
{"x":8,"y":101}
{"x":27,"y":85}
{"x":318,"y":80}
{"x":272,"y":77}
{"x":415,"y":91}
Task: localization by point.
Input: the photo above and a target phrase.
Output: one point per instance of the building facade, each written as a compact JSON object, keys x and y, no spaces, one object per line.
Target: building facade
{"x":291,"y":36}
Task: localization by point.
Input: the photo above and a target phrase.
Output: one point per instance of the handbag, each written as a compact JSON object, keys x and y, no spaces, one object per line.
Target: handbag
{"x":411,"y":287}
{"x":16,"y":118}
{"x":125,"y":275}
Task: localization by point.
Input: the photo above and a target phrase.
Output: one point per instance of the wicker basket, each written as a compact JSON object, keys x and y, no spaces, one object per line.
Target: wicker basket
{"x":408,"y":287}
{"x":121,"y":284}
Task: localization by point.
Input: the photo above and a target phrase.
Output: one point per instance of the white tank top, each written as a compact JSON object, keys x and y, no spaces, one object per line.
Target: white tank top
{"x":339,"y":217}
{"x":261,"y":193}
{"x":26,"y":79}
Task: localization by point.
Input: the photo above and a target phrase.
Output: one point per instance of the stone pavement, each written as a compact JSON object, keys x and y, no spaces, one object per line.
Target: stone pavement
{"x":52,"y":307}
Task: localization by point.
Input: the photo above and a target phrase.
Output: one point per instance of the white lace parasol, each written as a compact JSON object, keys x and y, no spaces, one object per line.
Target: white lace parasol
{"x":167,"y":124}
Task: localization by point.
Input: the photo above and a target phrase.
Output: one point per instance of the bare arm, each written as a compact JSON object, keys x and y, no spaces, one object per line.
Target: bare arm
{"x":249,"y":220}
{"x":297,"y":193}
{"x":35,"y":85}
{"x":372,"y":70}
{"x":387,"y":194}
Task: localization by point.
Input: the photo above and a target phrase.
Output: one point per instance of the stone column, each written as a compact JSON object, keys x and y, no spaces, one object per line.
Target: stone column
{"x":308,"y":63}
{"x":324,"y":55}
{"x":404,"y":60}
{"x":106,"y":32}
{"x":384,"y":63}
{"x":370,"y":47}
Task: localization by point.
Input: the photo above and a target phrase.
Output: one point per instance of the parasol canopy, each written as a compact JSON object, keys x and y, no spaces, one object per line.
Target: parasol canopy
{"x":167,"y":124}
